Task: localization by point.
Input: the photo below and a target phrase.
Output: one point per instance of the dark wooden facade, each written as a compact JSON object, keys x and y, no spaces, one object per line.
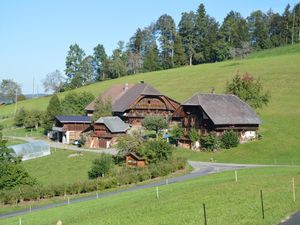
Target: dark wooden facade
{"x":132,"y":160}
{"x":149,"y":106}
{"x":195,"y":117}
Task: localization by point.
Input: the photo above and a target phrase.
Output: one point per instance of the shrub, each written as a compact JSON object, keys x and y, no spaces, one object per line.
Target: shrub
{"x":193,"y":135}
{"x":229,"y":139}
{"x":156,"y":150}
{"x":101,"y":166}
{"x":210,"y":142}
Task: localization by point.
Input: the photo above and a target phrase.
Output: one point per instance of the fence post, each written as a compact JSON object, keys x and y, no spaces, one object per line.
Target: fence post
{"x":204,"y":212}
{"x":236,"y":176}
{"x":293,"y":187}
{"x":157,"y":194}
{"x":262,"y":204}
{"x":20,"y":221}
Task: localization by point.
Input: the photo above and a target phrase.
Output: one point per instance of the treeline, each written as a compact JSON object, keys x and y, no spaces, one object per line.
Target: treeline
{"x":198,"y":38}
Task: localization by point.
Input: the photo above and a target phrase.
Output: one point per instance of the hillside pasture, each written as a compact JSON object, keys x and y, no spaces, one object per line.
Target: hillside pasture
{"x":227,"y":202}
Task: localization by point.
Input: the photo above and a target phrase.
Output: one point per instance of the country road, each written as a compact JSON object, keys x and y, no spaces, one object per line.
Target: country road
{"x":200,"y":169}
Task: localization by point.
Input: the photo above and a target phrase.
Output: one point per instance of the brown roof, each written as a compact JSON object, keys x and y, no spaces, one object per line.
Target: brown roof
{"x":114,"y":92}
{"x":224,"y":109}
{"x":123,"y":102}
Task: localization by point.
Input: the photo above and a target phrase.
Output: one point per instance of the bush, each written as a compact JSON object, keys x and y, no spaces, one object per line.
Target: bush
{"x":210,"y":142}
{"x":156,"y":150}
{"x":101,"y":166}
{"x":193,"y":135}
{"x":229,"y":139}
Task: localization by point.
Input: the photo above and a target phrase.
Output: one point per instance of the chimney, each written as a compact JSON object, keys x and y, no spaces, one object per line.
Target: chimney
{"x":142,"y":82}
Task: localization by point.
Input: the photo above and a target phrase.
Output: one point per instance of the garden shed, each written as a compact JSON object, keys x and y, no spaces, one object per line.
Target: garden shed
{"x":31,"y":150}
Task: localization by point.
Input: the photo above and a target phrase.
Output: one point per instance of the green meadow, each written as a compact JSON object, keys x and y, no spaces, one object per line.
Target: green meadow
{"x":279,"y":70}
{"x":227,"y":202}
{"x":62,"y":167}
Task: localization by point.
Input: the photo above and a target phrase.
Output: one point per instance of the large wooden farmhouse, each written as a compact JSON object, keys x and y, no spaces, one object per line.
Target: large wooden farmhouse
{"x":217,"y":113}
{"x":67,"y":129}
{"x":135,"y":101}
{"x":105,"y":131}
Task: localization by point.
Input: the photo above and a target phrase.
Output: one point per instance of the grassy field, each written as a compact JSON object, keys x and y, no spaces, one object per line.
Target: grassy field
{"x":279,"y":70}
{"x":227,"y":202}
{"x":60,"y":168}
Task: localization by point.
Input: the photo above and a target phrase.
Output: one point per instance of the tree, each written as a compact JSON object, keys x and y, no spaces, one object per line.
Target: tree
{"x":155,"y":123}
{"x":53,"y":109}
{"x":33,"y":119}
{"x":248,"y":89}
{"x":235,"y":30}
{"x":74,"y":103}
{"x":177,"y":133}
{"x":151,"y":59}
{"x":73,"y":66}
{"x":100,"y":57}
{"x":101,"y":166}
{"x":201,"y":32}
{"x":129,"y":143}
{"x":166,"y":28}
{"x":103,"y":107}
{"x":258,"y":30}
{"x":179,"y":55}
{"x":9,"y":90}
{"x":156,"y":150}
{"x":12,"y":172}
{"x":54,"y":81}
{"x":88,"y":70}
{"x":186,"y":28}
{"x":20,"y":117}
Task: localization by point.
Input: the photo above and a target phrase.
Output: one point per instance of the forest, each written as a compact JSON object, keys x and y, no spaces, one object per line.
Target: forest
{"x":198,"y":38}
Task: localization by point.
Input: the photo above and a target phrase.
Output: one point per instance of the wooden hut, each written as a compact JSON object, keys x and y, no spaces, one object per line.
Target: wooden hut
{"x":133,"y":160}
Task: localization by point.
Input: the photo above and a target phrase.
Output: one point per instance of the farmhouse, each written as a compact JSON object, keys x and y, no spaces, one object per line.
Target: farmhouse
{"x":142,"y":100}
{"x":112,"y":93}
{"x":67,"y":129}
{"x":132,"y":102}
{"x":217,"y":113}
{"x":105,"y":132}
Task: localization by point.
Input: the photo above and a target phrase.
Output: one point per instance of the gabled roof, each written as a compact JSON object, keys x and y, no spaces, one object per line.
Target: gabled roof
{"x":74,"y":119}
{"x":124,"y":102}
{"x":113,"y":123}
{"x":113,"y":93}
{"x":224,"y":109}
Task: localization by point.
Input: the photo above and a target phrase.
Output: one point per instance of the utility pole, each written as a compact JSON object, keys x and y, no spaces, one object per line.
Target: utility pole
{"x":293,"y":29}
{"x":16,"y":100}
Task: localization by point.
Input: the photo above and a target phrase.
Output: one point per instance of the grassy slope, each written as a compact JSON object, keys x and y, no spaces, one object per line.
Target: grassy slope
{"x":279,"y":71}
{"x":59,"y":169}
{"x":227,"y":202}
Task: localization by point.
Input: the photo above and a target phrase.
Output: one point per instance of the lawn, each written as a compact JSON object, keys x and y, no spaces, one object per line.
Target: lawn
{"x":227,"y":202}
{"x":59,"y":168}
{"x":279,"y":70}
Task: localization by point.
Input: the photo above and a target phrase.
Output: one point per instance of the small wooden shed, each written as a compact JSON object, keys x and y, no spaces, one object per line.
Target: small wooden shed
{"x":133,"y":160}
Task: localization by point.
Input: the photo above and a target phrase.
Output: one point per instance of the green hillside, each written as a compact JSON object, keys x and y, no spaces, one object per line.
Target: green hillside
{"x":227,"y":202}
{"x":279,"y":70}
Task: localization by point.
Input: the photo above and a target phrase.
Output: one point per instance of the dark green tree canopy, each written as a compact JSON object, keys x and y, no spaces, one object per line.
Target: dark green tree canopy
{"x":103,"y":107}
{"x":74,"y":103}
{"x":155,"y":123}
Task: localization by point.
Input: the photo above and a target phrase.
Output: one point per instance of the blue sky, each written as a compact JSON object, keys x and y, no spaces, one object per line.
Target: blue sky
{"x":36,"y":34}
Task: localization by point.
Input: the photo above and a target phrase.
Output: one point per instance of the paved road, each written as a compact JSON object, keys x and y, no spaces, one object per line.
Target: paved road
{"x":292,"y":220}
{"x":200,"y":169}
{"x":59,"y":145}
